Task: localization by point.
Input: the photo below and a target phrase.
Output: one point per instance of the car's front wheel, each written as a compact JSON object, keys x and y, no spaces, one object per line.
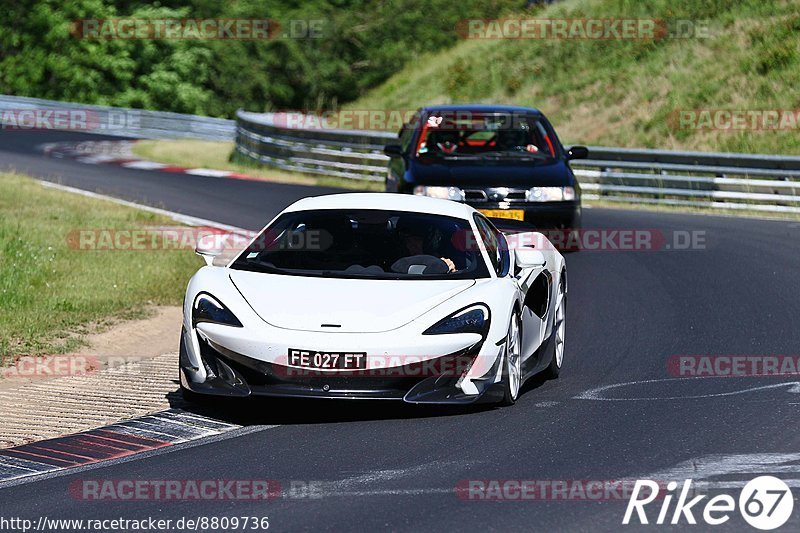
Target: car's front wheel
{"x":512,"y":362}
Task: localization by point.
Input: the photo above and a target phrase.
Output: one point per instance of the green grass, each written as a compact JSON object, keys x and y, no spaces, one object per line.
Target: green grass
{"x":52,"y":293}
{"x":217,"y":155}
{"x":714,"y":211}
{"x":625,"y":92}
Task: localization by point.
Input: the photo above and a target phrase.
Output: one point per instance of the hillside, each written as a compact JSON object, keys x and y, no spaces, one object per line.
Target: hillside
{"x":629,"y":92}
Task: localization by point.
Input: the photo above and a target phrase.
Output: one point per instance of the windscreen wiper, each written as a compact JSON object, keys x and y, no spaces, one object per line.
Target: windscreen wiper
{"x":514,"y":155}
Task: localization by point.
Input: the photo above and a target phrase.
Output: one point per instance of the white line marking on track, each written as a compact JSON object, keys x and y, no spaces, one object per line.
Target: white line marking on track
{"x":177,"y":217}
{"x":744,"y":466}
{"x":360,"y":485}
{"x":596,"y":394}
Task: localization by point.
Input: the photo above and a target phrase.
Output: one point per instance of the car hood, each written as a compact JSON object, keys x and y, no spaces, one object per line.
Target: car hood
{"x":344,"y":305}
{"x":492,"y":173}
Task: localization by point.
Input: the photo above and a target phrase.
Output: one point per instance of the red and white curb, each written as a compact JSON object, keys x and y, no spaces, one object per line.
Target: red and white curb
{"x":120,"y":153}
{"x":116,"y":441}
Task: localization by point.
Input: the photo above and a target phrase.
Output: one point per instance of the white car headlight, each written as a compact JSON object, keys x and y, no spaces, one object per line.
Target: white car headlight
{"x":446,"y":193}
{"x":206,"y":308}
{"x":471,"y":319}
{"x":550,"y":194}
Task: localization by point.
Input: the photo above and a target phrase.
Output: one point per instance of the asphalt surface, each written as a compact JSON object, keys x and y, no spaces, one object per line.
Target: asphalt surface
{"x":396,"y":467}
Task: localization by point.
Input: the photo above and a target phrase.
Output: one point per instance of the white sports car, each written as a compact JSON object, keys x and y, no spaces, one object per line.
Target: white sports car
{"x":376,"y":296}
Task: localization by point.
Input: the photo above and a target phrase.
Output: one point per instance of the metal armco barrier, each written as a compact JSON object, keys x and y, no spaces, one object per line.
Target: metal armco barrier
{"x":18,"y":112}
{"x":728,"y":181}
{"x":695,"y":179}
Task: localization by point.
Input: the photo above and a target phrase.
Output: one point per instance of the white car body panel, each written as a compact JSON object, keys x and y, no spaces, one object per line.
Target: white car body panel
{"x":356,"y":305}
{"x":384,"y":318}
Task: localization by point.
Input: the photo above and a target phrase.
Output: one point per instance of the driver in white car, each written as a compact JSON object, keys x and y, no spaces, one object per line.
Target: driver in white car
{"x":413,"y":240}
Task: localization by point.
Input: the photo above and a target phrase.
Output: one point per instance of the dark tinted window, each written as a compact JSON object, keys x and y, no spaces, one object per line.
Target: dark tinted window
{"x":365,"y":244}
{"x":464,"y":134}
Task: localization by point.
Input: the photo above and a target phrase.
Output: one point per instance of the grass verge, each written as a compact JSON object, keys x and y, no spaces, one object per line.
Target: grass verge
{"x":53,"y":293}
{"x":694,"y":210}
{"x":216,"y":155}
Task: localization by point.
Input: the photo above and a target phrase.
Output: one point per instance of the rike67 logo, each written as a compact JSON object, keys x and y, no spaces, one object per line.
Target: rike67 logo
{"x":765,"y":503}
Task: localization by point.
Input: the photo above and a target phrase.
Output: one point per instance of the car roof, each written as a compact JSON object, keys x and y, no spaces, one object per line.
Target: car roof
{"x":385,"y":202}
{"x":486,"y":108}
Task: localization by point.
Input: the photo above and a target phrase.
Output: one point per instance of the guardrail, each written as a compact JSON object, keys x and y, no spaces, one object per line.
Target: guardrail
{"x":694,"y":179}
{"x":19,"y":112}
{"x":354,"y":154}
{"x":730,"y":181}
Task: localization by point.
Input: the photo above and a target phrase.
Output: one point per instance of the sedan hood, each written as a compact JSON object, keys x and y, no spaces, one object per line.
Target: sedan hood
{"x":488,"y":173}
{"x":335,"y":305}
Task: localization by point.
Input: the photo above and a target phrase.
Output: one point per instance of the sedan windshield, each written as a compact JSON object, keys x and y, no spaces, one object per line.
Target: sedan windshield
{"x":466,"y":135}
{"x":372,"y":244}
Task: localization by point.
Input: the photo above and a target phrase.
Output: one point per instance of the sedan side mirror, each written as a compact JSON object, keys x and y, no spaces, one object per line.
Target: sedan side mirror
{"x":529,"y":258}
{"x":207,"y":253}
{"x":578,"y":152}
{"x":393,"y":150}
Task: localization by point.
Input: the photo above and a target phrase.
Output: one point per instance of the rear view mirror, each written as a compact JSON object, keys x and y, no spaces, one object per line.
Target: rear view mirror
{"x":578,"y":152}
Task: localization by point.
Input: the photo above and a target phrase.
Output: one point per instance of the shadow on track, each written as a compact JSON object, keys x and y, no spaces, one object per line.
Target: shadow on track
{"x":288,"y":411}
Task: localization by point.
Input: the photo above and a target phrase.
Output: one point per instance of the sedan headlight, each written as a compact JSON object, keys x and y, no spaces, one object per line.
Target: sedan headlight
{"x":550,"y":194}
{"x":206,"y":308}
{"x":472,"y":319}
{"x":446,"y":193}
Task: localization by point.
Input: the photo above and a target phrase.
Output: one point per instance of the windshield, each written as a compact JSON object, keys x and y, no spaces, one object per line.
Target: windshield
{"x":371,"y":244}
{"x":464,"y":134}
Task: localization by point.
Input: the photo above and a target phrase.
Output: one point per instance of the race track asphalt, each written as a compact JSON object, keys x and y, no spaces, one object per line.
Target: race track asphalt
{"x":395,"y":467}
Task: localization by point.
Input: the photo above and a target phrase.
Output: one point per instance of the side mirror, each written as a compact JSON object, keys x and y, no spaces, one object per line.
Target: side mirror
{"x":529,"y":258}
{"x":393,"y":150}
{"x":207,"y":253}
{"x":577,"y":152}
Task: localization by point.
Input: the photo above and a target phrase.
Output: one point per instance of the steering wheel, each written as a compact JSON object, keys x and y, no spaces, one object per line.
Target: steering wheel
{"x":420,"y":264}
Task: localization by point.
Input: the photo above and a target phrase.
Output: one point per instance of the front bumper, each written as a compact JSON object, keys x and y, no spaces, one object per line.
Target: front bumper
{"x":227,"y":373}
{"x":546,"y":215}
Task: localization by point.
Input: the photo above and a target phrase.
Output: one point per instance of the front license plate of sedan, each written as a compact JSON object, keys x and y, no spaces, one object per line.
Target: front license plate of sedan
{"x":324,"y":360}
{"x":515,"y":214}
